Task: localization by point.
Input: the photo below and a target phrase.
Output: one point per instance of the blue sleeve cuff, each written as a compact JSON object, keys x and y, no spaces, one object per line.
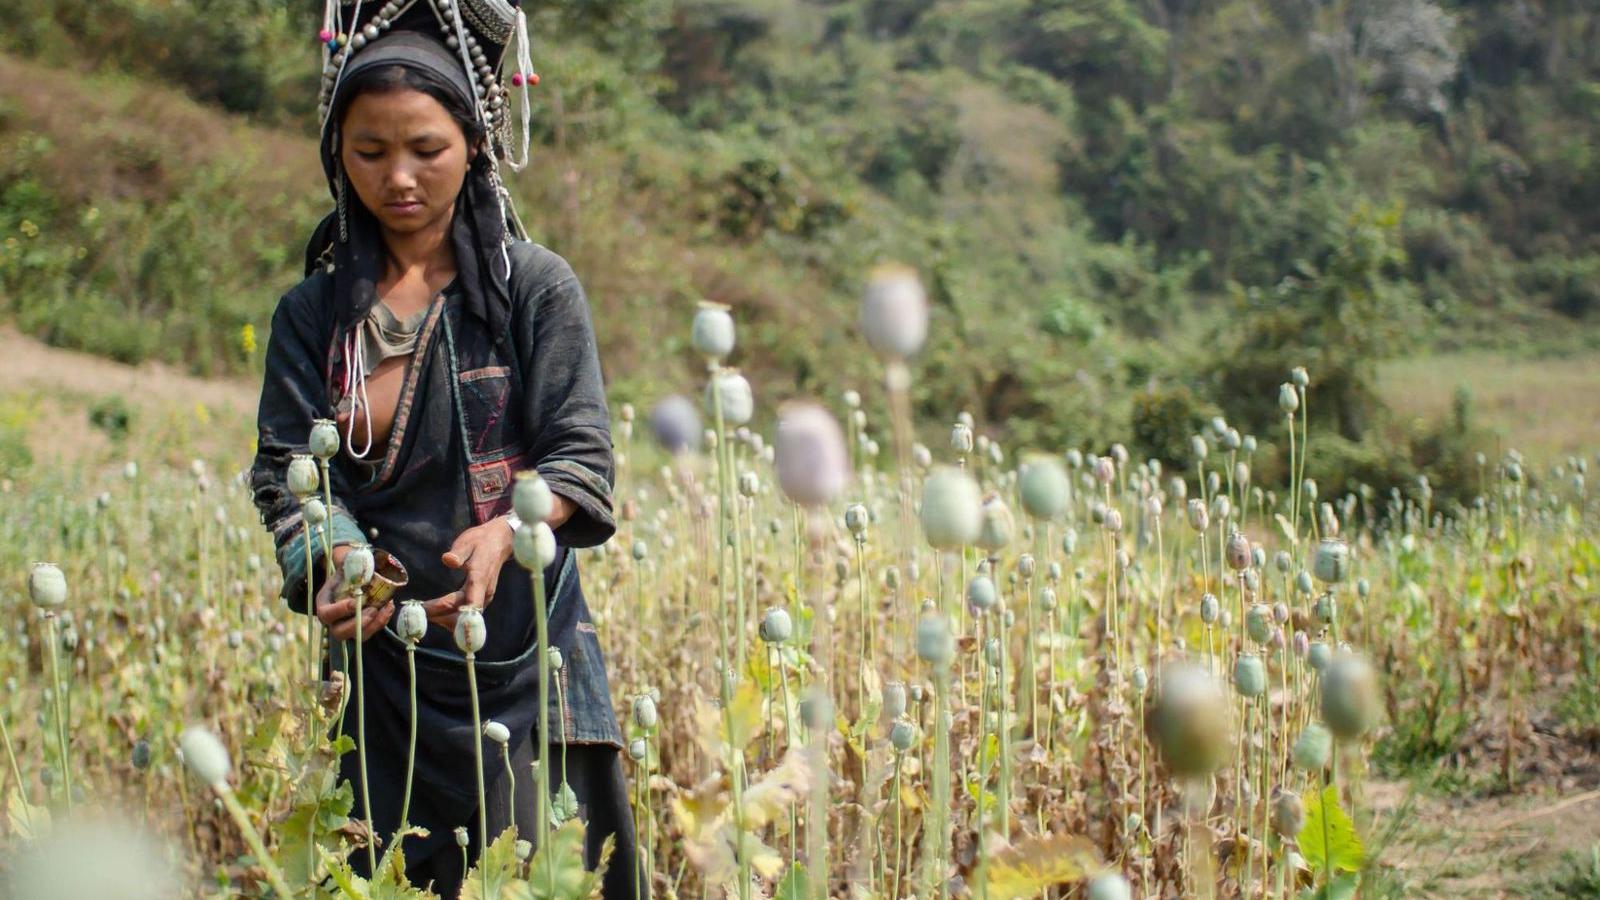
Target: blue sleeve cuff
{"x":292,"y":556}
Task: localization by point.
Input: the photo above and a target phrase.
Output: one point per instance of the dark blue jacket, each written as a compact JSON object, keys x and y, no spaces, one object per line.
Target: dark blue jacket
{"x":476,"y":407}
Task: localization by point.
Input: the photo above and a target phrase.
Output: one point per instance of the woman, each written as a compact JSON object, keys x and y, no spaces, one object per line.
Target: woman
{"x":451,"y":358}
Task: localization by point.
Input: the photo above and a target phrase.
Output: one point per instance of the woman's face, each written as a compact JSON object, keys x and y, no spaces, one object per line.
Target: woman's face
{"x":406,"y":158}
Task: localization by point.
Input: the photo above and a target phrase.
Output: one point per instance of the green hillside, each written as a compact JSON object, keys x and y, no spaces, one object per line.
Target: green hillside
{"x":1132,"y":215}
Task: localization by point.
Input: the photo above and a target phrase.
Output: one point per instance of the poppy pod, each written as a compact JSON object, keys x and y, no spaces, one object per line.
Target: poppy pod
{"x":1350,"y":701}
{"x":47,"y":586}
{"x":1044,"y":487}
{"x":1238,"y":551}
{"x":997,"y":526}
{"x":1249,"y":675}
{"x":205,"y":755}
{"x":1331,"y":563}
{"x":324,"y":440}
{"x":675,"y":423}
{"x":951,"y":509}
{"x":894,"y":311}
{"x":532,"y":498}
{"x":1188,"y":722}
{"x":302,"y":478}
{"x":903,"y":735}
{"x":732,"y":391}
{"x":412,"y":622}
{"x":813,"y":466}
{"x":776,"y":626}
{"x":712,"y":331}
{"x":470,"y":630}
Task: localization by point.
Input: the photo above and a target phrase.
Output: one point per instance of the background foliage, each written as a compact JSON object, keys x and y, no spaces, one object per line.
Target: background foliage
{"x":1132,"y":214}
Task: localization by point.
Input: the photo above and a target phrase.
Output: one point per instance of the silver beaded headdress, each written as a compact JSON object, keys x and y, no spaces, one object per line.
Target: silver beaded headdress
{"x":482,"y":32}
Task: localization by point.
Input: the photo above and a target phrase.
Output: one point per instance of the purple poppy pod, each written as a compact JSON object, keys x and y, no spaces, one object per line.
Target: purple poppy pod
{"x":813,"y":466}
{"x":676,"y":424}
{"x":894,"y":311}
{"x":1104,"y":469}
{"x":1302,"y":644}
{"x":1238,"y":551}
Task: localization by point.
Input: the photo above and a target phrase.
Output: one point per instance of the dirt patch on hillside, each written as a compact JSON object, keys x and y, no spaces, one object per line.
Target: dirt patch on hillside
{"x":56,"y":389}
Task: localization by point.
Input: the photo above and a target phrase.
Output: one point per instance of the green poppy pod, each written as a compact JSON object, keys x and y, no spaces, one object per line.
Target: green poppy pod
{"x":1199,"y":516}
{"x":1188,"y":721}
{"x":1258,"y":622}
{"x":141,"y":755}
{"x":894,"y":700}
{"x":1069,"y":541}
{"x":47,"y":586}
{"x":961,"y":438}
{"x":991,"y":651}
{"x":1112,"y":520}
{"x":205,"y":755}
{"x":933,"y":641}
{"x":1198,"y":448}
{"x":1140,"y":679}
{"x":1209,"y":609}
{"x":1309,"y":488}
{"x":644,"y":712}
{"x":314,"y":512}
{"x":1288,"y":398}
{"x":532,"y":498}
{"x":303,"y":478}
{"x":358,"y":565}
{"x":816,"y":709}
{"x":1318,"y":655}
{"x":1109,"y":886}
{"x":732,"y":391}
{"x":523,"y":849}
{"x":952,"y":508}
{"x":1331,"y":562}
{"x":496,"y":732}
{"x":638,"y":749}
{"x":324,"y":439}
{"x":1326,"y":608}
{"x":470,"y":630}
{"x":1074,"y":458}
{"x":1231,"y":440}
{"x":531,"y":546}
{"x":855,"y":519}
{"x":1350,"y":701}
{"x":412,"y":622}
{"x":996,"y":527}
{"x":1249,"y":675}
{"x":1300,"y":377}
{"x":1249,"y":443}
{"x":711,"y":333}
{"x":1026,"y":566}
{"x":1044,"y":487}
{"x":1047,"y":600}
{"x":776,"y":626}
{"x":1313,"y":748}
{"x":903,"y":735}
{"x":1302,"y":583}
{"x":981,"y":593}
{"x":462,"y":838}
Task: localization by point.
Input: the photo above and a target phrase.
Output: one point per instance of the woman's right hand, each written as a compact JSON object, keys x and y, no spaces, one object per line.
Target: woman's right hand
{"x":338,"y":614}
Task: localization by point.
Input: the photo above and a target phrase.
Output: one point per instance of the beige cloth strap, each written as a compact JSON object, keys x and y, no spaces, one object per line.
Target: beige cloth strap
{"x":387,"y":335}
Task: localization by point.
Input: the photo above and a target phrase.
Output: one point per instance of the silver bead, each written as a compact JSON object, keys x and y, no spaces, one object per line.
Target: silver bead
{"x":452,"y":43}
{"x":358,"y":41}
{"x":371,"y":31}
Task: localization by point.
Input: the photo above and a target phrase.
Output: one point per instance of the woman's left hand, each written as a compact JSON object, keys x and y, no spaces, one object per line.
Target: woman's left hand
{"x":481,"y":551}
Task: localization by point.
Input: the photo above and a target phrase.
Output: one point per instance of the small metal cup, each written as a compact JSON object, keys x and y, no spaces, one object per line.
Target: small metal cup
{"x":388,"y":576}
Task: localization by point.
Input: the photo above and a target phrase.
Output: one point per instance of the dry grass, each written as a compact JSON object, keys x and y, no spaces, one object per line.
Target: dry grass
{"x":1547,"y":408}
